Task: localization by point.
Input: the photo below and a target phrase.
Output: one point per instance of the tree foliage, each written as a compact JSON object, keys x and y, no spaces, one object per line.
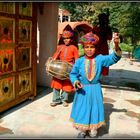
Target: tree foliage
{"x":124,"y":16}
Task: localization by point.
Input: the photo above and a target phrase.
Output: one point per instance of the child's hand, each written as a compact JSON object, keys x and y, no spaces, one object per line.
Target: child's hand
{"x":78,"y":85}
{"x":116,"y":42}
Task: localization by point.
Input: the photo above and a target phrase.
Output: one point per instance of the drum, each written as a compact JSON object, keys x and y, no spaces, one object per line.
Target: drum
{"x":59,"y":69}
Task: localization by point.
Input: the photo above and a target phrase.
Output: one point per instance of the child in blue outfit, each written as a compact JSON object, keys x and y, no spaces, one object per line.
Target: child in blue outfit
{"x":87,"y":112}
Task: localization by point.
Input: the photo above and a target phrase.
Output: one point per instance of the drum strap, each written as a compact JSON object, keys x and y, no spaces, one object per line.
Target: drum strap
{"x":58,"y":52}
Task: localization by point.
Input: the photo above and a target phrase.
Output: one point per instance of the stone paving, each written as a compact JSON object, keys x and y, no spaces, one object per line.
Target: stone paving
{"x":121,"y":91}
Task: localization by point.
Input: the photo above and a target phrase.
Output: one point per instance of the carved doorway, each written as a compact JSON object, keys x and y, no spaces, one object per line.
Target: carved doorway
{"x":18,"y":25}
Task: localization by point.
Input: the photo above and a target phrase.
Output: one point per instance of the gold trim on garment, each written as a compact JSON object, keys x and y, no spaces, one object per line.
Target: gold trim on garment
{"x":93,"y":69}
{"x":87,"y":127}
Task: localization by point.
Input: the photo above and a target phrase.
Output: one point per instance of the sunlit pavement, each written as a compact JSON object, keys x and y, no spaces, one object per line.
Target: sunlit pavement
{"x":121,"y":91}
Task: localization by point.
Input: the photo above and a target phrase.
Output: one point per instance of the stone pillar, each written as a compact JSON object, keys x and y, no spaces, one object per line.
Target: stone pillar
{"x":69,"y":18}
{"x":47,"y":39}
{"x":61,"y":17}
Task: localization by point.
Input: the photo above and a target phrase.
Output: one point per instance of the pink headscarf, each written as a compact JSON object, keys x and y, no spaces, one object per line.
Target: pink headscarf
{"x":67,"y":34}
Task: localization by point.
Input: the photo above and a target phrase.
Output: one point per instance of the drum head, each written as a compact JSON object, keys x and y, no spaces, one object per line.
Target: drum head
{"x":59,"y":69}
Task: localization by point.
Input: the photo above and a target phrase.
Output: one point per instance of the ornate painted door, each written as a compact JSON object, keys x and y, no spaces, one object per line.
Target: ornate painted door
{"x":18,"y":25}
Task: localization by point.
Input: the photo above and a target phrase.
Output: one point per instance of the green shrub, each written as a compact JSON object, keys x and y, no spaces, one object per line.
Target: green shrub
{"x":126,"y":47}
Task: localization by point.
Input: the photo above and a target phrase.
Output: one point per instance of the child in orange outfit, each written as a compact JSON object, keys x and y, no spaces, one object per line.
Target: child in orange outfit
{"x":68,"y":53}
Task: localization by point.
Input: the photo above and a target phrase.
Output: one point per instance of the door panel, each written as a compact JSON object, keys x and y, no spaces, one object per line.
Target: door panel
{"x":18,"y":25}
{"x":24,"y":82}
{"x":7,"y":90}
{"x":24,"y":58}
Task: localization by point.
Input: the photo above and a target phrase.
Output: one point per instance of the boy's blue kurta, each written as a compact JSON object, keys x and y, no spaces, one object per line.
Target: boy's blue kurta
{"x":88,"y":109}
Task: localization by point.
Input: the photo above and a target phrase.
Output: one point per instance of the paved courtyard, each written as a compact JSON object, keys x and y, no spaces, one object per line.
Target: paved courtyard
{"x":121,"y":91}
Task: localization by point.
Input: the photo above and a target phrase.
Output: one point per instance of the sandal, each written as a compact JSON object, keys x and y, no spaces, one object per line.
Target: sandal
{"x":81,"y":135}
{"x":65,"y":104}
{"x":53,"y":104}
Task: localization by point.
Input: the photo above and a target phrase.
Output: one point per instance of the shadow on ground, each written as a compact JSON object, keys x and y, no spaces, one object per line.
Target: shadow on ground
{"x":40,"y":93}
{"x":122,"y":82}
{"x":109,"y":109}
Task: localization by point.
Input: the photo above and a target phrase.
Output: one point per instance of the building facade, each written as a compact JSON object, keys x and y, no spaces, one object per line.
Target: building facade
{"x":64,"y":15}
